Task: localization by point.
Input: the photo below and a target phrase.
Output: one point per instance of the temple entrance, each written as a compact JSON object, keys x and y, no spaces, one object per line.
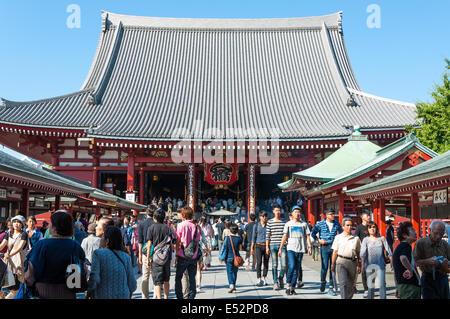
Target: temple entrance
{"x":267,"y":191}
{"x":113,"y":182}
{"x":233,"y":193}
{"x":165,"y":184}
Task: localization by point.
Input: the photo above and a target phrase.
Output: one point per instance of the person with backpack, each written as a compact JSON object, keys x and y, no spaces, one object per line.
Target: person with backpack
{"x":187,"y":247}
{"x":160,"y":236}
{"x":231,"y":246}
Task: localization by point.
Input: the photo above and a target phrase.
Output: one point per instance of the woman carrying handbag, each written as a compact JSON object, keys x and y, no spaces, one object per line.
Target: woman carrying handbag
{"x":231,"y":256}
{"x":16,"y":242}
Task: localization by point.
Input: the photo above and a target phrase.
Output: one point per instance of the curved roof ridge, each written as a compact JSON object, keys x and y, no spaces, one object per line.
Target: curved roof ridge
{"x":9,"y":103}
{"x":331,"y":20}
{"x":380,"y":98}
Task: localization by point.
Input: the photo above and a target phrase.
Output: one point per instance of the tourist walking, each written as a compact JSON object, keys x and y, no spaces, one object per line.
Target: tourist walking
{"x":346,"y":261}
{"x":362,"y":232}
{"x":127,"y":234}
{"x":78,"y":232}
{"x":33,"y":234}
{"x":406,"y":275}
{"x":208,"y":233}
{"x":432,"y":255}
{"x":159,"y":235}
{"x":373,"y":260}
{"x":232,"y":245}
{"x":90,"y":244}
{"x":327,"y":229}
{"x":390,"y":236}
{"x":204,"y":256}
{"x":112,"y":275}
{"x":248,"y":235}
{"x":297,"y":235}
{"x":274,"y":235}
{"x":142,"y":240}
{"x":16,"y":243}
{"x":186,"y":258}
{"x":49,"y":258}
{"x":259,"y":249}
{"x":220,"y":228}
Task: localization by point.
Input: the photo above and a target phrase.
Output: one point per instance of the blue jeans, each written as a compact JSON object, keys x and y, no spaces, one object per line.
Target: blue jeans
{"x":374,"y":273}
{"x":325,"y":254}
{"x":191,"y":266}
{"x":274,"y":255}
{"x":232,"y":271}
{"x":294,"y":262}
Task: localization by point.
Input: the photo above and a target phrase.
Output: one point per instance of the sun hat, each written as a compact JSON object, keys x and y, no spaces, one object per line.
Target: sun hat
{"x":20,"y":218}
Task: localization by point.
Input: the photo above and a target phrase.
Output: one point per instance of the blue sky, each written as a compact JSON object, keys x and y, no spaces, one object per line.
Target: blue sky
{"x":41,"y":57}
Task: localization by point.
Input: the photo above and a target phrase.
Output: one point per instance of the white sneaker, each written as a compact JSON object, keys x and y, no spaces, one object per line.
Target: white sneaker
{"x":264,"y":283}
{"x":366,"y":294}
{"x":199,"y":289}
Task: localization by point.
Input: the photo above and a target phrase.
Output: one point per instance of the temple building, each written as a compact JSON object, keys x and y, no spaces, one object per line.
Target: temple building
{"x":191,"y":108}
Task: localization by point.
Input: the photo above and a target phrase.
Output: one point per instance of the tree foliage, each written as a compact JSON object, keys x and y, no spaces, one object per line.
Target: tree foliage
{"x":434,"y":118}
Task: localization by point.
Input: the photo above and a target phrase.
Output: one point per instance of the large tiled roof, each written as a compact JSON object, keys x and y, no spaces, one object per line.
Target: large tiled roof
{"x":150,"y":76}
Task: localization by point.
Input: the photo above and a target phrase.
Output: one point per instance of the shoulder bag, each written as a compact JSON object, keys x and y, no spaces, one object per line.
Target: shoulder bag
{"x":238,"y":261}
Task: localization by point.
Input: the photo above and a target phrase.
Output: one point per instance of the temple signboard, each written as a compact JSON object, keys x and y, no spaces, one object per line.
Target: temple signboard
{"x":221,"y":173}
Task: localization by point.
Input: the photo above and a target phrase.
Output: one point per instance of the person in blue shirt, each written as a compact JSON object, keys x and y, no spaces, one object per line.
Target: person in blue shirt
{"x":127,"y":233}
{"x":79,"y":233}
{"x":324,"y":232}
{"x":228,"y":255}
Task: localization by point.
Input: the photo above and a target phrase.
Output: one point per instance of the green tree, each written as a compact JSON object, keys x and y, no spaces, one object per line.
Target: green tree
{"x":434,"y":118}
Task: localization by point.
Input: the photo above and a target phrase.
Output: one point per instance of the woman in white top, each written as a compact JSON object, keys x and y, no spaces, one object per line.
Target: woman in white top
{"x":345,"y":259}
{"x":16,"y":242}
{"x":373,"y":259}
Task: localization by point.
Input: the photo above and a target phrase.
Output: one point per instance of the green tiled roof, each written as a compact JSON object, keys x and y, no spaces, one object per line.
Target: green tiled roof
{"x":435,"y":167}
{"x":380,"y":157}
{"x":355,"y":152}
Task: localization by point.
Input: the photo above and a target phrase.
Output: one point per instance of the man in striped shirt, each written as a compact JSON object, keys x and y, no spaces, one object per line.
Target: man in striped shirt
{"x":274,"y":234}
{"x":327,"y":229}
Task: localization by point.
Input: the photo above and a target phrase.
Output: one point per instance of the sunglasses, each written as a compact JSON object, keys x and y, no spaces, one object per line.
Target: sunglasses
{"x":372,"y":227}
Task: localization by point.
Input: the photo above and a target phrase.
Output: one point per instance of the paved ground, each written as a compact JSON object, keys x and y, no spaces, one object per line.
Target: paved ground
{"x":215,"y":284}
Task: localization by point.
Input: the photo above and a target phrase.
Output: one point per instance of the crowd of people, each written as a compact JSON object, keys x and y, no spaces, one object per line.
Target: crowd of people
{"x":105,"y":251}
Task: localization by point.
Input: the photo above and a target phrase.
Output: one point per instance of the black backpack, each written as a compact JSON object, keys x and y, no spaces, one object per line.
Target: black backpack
{"x":162,"y":252}
{"x":190,"y":250}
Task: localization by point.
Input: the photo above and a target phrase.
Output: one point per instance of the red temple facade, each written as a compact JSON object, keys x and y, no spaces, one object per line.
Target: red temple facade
{"x":193,"y":107}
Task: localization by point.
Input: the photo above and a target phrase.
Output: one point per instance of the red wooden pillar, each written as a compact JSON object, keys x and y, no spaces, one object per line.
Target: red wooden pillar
{"x":341,"y":208}
{"x":415,"y":212}
{"x":321,"y":208}
{"x":382,"y":224}
{"x":130,"y":172}
{"x":57,"y":201}
{"x":95,"y":163}
{"x":94,"y":177}
{"x":141,"y":186}
{"x":311,"y":215}
{"x":25,"y":205}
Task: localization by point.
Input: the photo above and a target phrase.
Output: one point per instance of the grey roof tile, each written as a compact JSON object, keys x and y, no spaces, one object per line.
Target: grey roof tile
{"x":153,"y":75}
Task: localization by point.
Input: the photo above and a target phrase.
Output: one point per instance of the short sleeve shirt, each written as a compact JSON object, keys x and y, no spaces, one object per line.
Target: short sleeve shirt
{"x":347,"y":246}
{"x":426,"y":248}
{"x":403,"y":249}
{"x":297,"y":233}
{"x":185,"y":233}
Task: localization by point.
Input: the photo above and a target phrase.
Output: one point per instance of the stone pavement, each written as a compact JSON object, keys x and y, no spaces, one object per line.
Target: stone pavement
{"x":215,"y":284}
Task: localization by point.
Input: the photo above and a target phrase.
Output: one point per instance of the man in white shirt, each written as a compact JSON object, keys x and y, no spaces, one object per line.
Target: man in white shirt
{"x":345,"y":260}
{"x":297,"y":234}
